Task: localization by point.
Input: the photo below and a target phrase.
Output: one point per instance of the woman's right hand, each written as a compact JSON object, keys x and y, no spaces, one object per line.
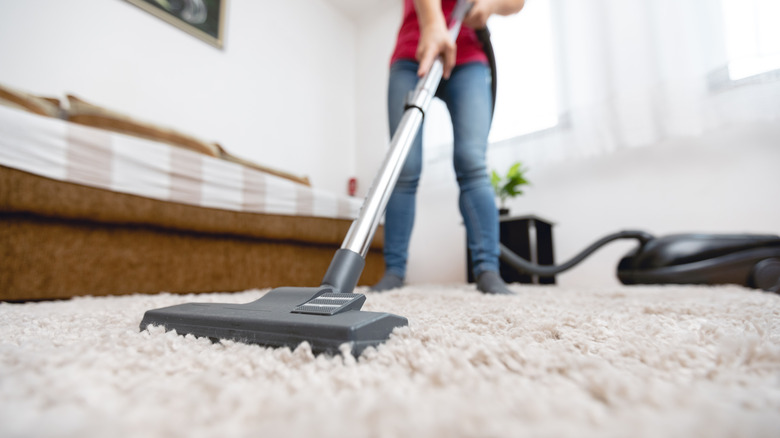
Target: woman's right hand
{"x":434,"y":41}
{"x":434,"y":38}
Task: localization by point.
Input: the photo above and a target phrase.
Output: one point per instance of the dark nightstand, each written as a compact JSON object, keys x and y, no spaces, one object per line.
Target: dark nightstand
{"x":530,"y":237}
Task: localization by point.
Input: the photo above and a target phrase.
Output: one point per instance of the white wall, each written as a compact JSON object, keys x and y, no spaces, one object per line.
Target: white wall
{"x":376,"y":33}
{"x":281,"y":92}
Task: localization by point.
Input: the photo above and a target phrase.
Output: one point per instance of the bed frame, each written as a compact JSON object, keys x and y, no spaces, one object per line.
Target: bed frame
{"x":61,"y":239}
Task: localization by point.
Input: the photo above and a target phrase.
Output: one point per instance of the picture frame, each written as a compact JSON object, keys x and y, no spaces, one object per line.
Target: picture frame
{"x":204,"y":19}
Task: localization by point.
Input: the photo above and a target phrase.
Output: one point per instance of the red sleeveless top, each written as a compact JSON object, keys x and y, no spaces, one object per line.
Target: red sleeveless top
{"x":469,"y":47}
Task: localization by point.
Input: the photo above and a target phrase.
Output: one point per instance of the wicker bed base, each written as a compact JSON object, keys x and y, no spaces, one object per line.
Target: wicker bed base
{"x":61,"y":240}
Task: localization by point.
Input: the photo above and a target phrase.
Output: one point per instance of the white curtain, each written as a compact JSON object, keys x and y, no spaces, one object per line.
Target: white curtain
{"x":637,"y":72}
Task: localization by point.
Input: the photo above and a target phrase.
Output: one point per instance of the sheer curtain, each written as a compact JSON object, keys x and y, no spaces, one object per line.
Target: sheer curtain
{"x":634,"y":73}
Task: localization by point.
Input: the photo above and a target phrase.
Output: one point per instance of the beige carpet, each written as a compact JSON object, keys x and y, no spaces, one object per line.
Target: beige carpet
{"x":550,"y":362}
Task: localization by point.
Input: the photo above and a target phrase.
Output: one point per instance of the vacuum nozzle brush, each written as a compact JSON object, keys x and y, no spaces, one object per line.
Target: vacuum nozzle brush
{"x":284,"y":317}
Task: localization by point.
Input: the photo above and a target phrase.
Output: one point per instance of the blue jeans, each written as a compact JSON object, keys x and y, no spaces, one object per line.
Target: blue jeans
{"x":469,"y":101}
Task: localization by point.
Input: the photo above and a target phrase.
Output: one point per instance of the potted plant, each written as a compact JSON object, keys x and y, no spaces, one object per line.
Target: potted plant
{"x":509,"y":185}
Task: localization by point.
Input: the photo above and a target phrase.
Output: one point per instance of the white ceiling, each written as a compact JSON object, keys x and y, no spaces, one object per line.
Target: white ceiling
{"x":360,"y":9}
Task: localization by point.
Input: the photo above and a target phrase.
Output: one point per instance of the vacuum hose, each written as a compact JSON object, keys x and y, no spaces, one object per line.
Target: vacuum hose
{"x":523,"y":265}
{"x":507,"y":255}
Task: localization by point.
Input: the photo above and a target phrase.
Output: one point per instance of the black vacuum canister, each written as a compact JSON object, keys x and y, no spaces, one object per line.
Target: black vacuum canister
{"x":745,"y":259}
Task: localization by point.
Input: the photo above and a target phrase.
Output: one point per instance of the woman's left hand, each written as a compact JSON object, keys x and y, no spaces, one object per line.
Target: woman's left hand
{"x":480,"y":11}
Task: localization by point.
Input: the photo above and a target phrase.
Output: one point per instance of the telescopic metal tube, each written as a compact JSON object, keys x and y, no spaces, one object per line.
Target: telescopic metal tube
{"x":362,"y":230}
{"x":361,"y":233}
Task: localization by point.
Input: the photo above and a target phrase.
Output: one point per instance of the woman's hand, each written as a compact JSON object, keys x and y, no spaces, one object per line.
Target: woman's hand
{"x":434,"y":41}
{"x":434,"y":35}
{"x":481,"y":10}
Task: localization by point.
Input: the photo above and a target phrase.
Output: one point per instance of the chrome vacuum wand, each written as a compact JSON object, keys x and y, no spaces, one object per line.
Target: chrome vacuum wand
{"x":361,"y":233}
{"x":348,"y":262}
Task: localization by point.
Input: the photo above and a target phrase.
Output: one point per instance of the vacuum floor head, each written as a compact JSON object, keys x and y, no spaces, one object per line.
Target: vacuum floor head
{"x":745,"y":259}
{"x":284,"y":317}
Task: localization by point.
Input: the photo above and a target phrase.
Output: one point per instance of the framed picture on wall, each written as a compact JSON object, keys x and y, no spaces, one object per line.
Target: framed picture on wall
{"x":201,"y":18}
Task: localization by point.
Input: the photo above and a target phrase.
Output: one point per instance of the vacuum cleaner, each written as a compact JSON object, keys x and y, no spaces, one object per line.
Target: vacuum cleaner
{"x":750,"y":260}
{"x":328,"y":317}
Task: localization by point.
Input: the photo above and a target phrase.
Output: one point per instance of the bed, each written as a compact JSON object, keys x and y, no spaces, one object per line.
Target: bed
{"x":96,"y":203}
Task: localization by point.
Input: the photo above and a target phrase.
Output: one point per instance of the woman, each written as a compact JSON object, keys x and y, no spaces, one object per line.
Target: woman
{"x":465,"y":88}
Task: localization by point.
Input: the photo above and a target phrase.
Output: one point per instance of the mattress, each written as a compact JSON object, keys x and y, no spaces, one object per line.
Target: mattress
{"x":73,"y":153}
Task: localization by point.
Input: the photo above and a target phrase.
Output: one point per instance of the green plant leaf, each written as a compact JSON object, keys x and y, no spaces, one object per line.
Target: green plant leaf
{"x":509,"y":185}
{"x":495,"y":181}
{"x":514,"y":170}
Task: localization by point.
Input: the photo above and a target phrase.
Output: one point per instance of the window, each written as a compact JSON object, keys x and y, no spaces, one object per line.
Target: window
{"x":752,"y":37}
{"x":527,"y":76}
